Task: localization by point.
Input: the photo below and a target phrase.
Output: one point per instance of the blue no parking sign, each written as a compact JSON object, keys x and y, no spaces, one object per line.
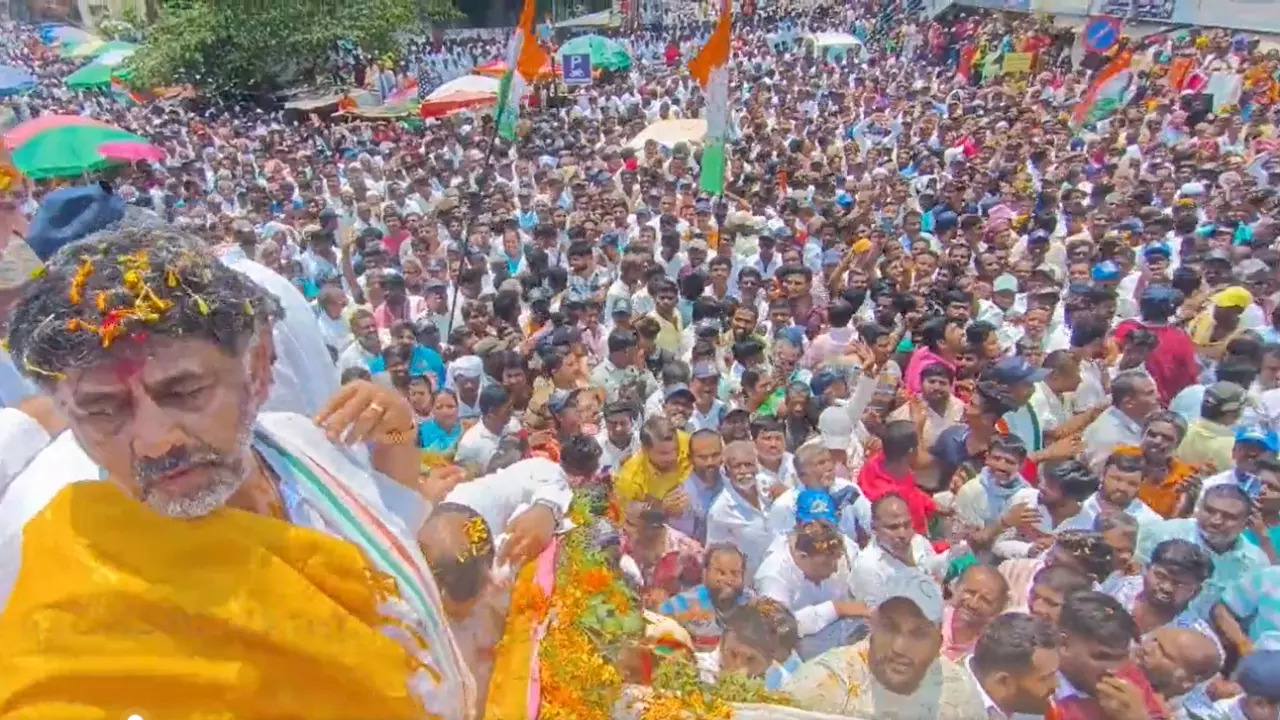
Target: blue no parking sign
{"x":1101,"y":33}
{"x":577,"y":69}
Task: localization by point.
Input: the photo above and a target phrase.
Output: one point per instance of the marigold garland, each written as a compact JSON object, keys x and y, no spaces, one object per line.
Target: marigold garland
{"x":592,"y":621}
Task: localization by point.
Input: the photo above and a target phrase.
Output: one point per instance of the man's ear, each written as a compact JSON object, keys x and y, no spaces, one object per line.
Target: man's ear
{"x":262,"y":358}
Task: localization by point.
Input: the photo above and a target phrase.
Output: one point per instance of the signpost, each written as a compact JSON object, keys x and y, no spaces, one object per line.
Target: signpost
{"x":1101,"y":34}
{"x":577,"y":69}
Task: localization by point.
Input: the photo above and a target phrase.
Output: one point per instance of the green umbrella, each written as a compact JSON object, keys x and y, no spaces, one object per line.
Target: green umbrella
{"x":98,"y":73}
{"x":68,"y":150}
{"x":93,"y":75}
{"x":93,"y":50}
{"x":606,"y":54}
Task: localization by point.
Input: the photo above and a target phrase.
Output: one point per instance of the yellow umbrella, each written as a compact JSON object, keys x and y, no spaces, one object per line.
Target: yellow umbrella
{"x":87,"y":48}
{"x":669,"y":132}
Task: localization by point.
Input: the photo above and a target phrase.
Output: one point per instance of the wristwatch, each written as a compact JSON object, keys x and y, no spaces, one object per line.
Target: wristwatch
{"x":556,"y":513}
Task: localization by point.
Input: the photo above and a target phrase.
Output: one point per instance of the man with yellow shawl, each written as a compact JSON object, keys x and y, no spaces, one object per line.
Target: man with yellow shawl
{"x":233,"y":564}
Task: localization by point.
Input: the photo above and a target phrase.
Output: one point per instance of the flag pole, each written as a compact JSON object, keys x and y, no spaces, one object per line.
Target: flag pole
{"x":473,"y":210}
{"x":523,"y":33}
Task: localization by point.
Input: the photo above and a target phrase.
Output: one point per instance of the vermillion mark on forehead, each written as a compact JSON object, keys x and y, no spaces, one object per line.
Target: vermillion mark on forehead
{"x":129,"y":366}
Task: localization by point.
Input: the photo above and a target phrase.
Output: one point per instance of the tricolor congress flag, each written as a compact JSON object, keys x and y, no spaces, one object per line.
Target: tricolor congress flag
{"x":711,"y":69}
{"x":524,"y":58}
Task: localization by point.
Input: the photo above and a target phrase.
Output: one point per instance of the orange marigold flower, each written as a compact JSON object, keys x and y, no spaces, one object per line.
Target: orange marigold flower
{"x":595,"y":580}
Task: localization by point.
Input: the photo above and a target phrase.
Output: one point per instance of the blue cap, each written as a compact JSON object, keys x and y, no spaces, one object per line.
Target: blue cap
{"x":1265,"y":437}
{"x":815,"y":505}
{"x":822,"y":381}
{"x":832,"y":257}
{"x":1159,"y":293}
{"x":1105,"y":271}
{"x":679,"y":390}
{"x":1038,"y":236}
{"x":1259,"y":674}
{"x":945,"y":220}
{"x":705,"y":370}
{"x":70,"y":214}
{"x":1016,"y":369}
{"x":793,"y":334}
{"x":560,"y":400}
{"x":1157,"y":249}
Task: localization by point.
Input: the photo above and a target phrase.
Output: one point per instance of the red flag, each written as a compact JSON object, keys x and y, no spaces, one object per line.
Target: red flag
{"x":1178,"y":71}
{"x":967,"y":54}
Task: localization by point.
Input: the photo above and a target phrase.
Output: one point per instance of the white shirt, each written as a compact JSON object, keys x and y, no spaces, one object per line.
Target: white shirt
{"x":709,"y":421}
{"x":1052,"y":409}
{"x":694,"y":520}
{"x":813,"y":604}
{"x":21,"y":439}
{"x":499,"y":497}
{"x":874,"y":566}
{"x":305,"y":376}
{"x":766,"y":479}
{"x":766,"y":269}
{"x":14,"y":388}
{"x":476,"y":446}
{"x":335,"y":331}
{"x":1090,"y":392}
{"x":611,"y":455}
{"x":1008,"y":546}
{"x":1111,"y":429}
{"x":854,"y":517}
{"x":1090,"y":510}
{"x":733,"y":520}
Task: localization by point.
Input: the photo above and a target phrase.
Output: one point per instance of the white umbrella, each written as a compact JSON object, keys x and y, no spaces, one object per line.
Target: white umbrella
{"x":669,"y":132}
{"x":468,"y":84}
{"x":834,"y":39}
{"x":111,"y":58}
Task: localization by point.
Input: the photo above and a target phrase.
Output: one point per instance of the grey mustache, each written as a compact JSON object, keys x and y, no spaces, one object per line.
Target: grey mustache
{"x":179,"y":460}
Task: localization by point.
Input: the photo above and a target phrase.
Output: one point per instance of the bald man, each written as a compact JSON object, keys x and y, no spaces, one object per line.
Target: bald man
{"x":461,"y":554}
{"x":1178,"y":662}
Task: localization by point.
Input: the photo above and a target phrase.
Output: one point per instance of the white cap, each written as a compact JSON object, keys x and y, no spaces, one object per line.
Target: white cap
{"x":836,"y":427}
{"x":920,"y":589}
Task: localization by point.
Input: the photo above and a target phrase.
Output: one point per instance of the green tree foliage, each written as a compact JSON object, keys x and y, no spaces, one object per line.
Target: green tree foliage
{"x":222,"y":46}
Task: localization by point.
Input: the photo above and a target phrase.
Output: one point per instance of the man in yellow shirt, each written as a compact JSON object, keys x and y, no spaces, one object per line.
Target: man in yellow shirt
{"x":670,"y":325}
{"x":658,"y":471}
{"x":1210,"y":437}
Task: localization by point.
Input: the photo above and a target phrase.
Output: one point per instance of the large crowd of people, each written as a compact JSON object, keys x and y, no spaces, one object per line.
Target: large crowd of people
{"x":961,"y":402}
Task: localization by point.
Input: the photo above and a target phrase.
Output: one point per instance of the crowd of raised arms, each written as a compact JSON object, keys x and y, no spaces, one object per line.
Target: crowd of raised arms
{"x":961,"y":402}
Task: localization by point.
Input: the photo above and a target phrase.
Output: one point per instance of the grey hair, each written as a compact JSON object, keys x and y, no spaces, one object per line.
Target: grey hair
{"x":127,"y":284}
{"x":1125,"y":385}
{"x":1167,"y":416}
{"x":1116,"y":520}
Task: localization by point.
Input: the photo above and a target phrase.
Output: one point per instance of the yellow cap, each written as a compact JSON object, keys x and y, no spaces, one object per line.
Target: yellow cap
{"x":1233,"y":297}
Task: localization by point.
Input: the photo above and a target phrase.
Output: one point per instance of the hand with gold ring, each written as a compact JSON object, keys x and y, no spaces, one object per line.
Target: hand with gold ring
{"x":363,"y":411}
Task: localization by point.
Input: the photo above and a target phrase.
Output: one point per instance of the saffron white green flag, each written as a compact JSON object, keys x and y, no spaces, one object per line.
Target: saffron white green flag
{"x":525,"y":57}
{"x":711,"y":69}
